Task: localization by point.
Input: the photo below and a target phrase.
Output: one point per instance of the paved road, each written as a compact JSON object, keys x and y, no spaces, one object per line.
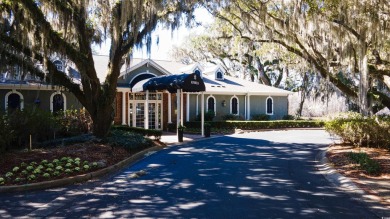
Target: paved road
{"x":255,"y":175}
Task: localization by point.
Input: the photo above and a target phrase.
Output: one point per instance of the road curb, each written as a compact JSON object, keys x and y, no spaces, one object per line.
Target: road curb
{"x":347,"y":185}
{"x":79,"y":178}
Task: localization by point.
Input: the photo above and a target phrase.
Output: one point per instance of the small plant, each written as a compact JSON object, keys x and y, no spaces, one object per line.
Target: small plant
{"x":77,"y":169}
{"x":64,"y":159}
{"x":9,"y":175}
{"x":43,"y":162}
{"x":85,"y":162}
{"x":50,"y":165}
{"x":70,"y":160}
{"x":37,"y":171}
{"x":23,"y":164}
{"x":77,"y":159}
{"x":24,"y":172}
{"x":94,"y":164}
{"x":181,"y":128}
{"x":40,"y":167}
{"x":77,"y":163}
{"x":371,"y":166}
{"x":15,"y":169}
{"x":59,"y":168}
{"x":17,"y":180}
{"x":56,"y":173}
{"x":30,"y":168}
{"x":33,"y":163}
{"x":86,"y":167}
{"x":56,"y":161}
{"x":68,"y":165}
{"x":68,"y":171}
{"x":2,"y":180}
{"x":49,"y":170}
{"x":46,"y":175}
{"x":31,"y":177}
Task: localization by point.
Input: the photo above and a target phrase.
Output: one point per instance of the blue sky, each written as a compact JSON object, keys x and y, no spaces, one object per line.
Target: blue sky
{"x":167,"y":38}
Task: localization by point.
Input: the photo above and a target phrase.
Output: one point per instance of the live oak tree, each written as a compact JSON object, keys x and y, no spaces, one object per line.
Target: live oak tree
{"x":341,"y":39}
{"x":33,"y":31}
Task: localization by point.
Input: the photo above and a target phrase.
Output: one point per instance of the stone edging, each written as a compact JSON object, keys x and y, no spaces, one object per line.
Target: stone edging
{"x":347,"y":185}
{"x":78,"y":178}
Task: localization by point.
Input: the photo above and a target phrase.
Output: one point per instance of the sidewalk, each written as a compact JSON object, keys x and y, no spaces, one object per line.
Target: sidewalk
{"x":170,"y":138}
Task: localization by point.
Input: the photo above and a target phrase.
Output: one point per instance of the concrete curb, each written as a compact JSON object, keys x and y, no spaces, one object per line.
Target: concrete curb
{"x":347,"y":185}
{"x":80,"y":178}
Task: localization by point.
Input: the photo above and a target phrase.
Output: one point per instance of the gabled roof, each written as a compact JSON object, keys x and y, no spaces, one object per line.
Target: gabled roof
{"x":135,"y":64}
{"x":232,"y":85}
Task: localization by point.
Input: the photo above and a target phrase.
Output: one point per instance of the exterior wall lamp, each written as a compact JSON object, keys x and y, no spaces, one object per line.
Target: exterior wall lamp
{"x":223,"y":103}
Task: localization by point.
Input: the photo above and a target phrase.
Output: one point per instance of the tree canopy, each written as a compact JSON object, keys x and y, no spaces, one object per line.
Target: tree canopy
{"x":33,"y":31}
{"x":334,"y":36}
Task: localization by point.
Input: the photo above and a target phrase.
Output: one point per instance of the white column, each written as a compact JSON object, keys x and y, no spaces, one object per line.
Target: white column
{"x":246,"y":117}
{"x":123,"y":108}
{"x":146,"y":112}
{"x":188,"y":108}
{"x":202,"y":114}
{"x":178,"y":106}
{"x":249,"y":107}
{"x":169,"y":108}
{"x":197,"y":105}
{"x":181,"y":107}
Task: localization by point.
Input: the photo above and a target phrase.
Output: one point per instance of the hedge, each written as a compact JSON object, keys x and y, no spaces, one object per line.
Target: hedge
{"x":252,"y":125}
{"x":145,"y":132}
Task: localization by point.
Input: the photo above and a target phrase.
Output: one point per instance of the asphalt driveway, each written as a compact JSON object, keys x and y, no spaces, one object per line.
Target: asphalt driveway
{"x":254,"y":175}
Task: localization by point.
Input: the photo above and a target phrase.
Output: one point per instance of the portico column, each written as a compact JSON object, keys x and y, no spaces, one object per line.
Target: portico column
{"x":169,"y":108}
{"x":178,"y":106}
{"x":202,"y":113}
{"x":188,"y":108}
{"x":246,"y":113}
{"x":146,"y":112}
{"x":181,"y":107}
{"x":249,"y":107}
{"x":123,"y":108}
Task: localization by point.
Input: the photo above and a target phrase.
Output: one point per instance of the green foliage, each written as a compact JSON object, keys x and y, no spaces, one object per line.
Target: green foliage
{"x":208,"y":116}
{"x":6,"y":134}
{"x":74,"y":122}
{"x":231,"y":117}
{"x":371,"y":166}
{"x":254,"y":125}
{"x":145,"y":132}
{"x":261,"y":117}
{"x":128,"y":140}
{"x":355,"y":129}
{"x":288,"y":117}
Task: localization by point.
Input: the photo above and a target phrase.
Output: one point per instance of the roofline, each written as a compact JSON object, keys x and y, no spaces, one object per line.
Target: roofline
{"x":244,"y":93}
{"x":29,"y":87}
{"x":150,"y":61}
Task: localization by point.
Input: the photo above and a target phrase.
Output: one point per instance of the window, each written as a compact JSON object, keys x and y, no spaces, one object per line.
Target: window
{"x":211,"y":103}
{"x":57,"y":102}
{"x":234,"y":106}
{"x":13,"y":101}
{"x":270,"y":106}
{"x":219,"y":76}
{"x":59,"y":65}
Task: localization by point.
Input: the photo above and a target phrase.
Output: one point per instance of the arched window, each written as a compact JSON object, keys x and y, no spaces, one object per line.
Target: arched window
{"x":13,"y":101}
{"x":211,"y":104}
{"x":234,"y":106}
{"x":219,"y":76}
{"x":59,"y":65}
{"x":269,"y":106}
{"x":57,"y":102}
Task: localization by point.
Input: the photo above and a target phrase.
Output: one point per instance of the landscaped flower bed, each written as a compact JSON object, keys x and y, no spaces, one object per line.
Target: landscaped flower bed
{"x":46,"y":170}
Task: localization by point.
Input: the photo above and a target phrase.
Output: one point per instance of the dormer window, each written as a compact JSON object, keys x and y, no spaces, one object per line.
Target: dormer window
{"x":198,"y":72}
{"x":219,"y":75}
{"x":59,"y":65}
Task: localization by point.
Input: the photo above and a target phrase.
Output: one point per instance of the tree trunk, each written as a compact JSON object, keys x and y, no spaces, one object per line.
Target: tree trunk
{"x":262,"y":76}
{"x":364,"y":80}
{"x":102,"y":119}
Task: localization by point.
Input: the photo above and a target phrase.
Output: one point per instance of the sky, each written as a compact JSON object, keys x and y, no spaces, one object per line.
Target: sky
{"x":167,"y":38}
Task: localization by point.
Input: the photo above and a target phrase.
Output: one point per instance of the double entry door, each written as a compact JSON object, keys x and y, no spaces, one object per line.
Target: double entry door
{"x":145,"y":117}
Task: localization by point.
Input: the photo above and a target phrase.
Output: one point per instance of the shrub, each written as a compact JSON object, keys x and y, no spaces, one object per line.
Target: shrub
{"x":255,"y":125}
{"x":208,"y":116}
{"x":355,"y":129}
{"x":2,"y":180}
{"x":128,"y":140}
{"x":7,"y":135}
{"x":74,"y":122}
{"x":231,"y":117}
{"x":288,"y":117}
{"x":372,"y":167}
{"x":145,"y":132}
{"x":31,"y":177}
{"x":15,"y":169}
{"x":9,"y":174}
{"x":261,"y":117}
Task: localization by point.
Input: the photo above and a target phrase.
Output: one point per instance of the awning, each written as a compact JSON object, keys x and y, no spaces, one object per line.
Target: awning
{"x":186,"y":82}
